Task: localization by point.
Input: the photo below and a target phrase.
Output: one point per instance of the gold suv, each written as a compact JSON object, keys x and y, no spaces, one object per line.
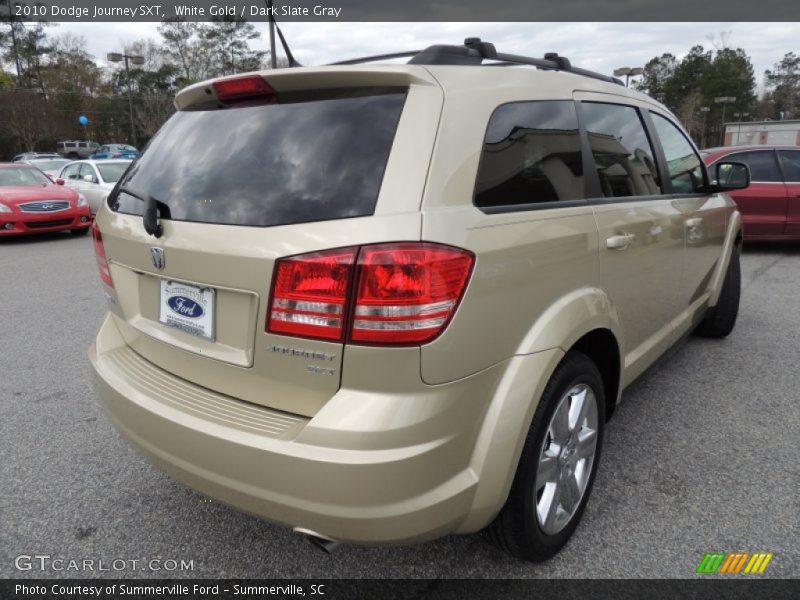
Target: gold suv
{"x":381,"y":304}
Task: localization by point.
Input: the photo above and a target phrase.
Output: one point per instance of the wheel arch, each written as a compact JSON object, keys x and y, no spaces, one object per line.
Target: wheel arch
{"x":733,"y":239}
{"x":601,"y":346}
{"x":584,"y":321}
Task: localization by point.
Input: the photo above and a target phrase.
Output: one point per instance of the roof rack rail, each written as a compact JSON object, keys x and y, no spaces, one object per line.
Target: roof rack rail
{"x":474,"y":52}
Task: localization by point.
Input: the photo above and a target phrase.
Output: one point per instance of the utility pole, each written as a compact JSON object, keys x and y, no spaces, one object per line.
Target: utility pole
{"x":704,"y":111}
{"x":137,"y":60}
{"x":724,"y":100}
{"x":272,"y":58}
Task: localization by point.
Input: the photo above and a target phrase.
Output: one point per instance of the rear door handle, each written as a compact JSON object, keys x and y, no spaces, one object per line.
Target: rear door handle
{"x":695,"y":222}
{"x":620,"y":241}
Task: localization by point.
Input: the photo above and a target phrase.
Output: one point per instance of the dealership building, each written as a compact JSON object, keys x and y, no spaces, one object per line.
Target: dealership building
{"x":766,"y":133}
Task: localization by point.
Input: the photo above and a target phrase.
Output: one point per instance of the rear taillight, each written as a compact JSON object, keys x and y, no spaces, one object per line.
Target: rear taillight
{"x":407,"y":292}
{"x":309,"y":294}
{"x":100,"y":253}
{"x":386,"y":294}
{"x":243,"y":88}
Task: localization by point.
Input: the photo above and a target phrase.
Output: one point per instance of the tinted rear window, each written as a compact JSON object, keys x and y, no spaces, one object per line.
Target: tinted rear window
{"x":621,"y":150}
{"x":313,"y":156}
{"x":531,"y":154}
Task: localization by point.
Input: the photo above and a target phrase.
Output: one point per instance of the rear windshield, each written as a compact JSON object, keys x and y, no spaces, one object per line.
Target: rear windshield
{"x":313,"y":156}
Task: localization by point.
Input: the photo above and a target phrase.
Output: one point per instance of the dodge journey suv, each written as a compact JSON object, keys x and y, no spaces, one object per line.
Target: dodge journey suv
{"x":381,"y":304}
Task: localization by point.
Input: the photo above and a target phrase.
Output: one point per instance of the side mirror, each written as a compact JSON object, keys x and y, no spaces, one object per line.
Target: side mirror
{"x":60,"y":181}
{"x":731,"y":176}
{"x":89,"y":177}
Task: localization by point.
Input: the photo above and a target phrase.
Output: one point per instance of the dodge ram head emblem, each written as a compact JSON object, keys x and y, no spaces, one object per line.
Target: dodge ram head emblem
{"x":159,"y":260}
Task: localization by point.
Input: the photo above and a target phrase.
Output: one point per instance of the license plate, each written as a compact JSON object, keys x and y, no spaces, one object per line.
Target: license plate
{"x":188,"y":308}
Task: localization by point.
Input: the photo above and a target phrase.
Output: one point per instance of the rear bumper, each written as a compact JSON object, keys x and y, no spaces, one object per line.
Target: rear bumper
{"x":19,"y":223}
{"x":421,"y":483}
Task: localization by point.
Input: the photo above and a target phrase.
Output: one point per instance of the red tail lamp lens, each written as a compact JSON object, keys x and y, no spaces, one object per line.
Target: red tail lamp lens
{"x":309,"y":294}
{"x":405,"y":293}
{"x":408,"y":292}
{"x":100,"y":254}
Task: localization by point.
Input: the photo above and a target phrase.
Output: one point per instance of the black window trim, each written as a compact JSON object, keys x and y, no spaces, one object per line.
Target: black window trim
{"x":591,"y":180}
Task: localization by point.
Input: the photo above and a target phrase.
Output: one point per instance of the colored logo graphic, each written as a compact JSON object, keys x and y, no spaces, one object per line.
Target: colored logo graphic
{"x":735,"y":563}
{"x":185,"y":306}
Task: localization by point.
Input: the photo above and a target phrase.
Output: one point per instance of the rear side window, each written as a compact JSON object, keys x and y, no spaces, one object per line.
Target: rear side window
{"x":531,"y":154}
{"x":790,"y":162}
{"x":763,"y":166}
{"x":310,"y":156}
{"x":621,"y":150}
{"x":685,"y":166}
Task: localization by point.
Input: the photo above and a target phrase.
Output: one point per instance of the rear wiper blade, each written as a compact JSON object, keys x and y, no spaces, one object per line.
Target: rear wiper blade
{"x":152,"y":207}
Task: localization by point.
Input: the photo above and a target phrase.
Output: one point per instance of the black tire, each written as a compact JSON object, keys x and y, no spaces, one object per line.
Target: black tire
{"x":719,"y":320}
{"x":516,"y":528}
{"x":79,"y":232}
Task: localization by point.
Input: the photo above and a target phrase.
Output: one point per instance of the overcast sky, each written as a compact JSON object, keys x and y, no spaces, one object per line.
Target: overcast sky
{"x":597,"y":46}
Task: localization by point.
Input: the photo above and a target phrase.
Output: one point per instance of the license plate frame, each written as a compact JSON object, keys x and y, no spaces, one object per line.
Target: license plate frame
{"x":178,"y":305}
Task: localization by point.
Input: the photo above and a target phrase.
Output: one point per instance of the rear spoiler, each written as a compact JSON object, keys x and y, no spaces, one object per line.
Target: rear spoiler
{"x":314,"y":78}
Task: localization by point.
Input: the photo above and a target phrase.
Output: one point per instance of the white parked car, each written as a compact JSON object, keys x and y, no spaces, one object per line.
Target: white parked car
{"x":93,"y":178}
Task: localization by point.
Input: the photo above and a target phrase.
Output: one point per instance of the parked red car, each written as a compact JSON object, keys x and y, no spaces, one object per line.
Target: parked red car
{"x":31,"y":203}
{"x":770,"y":206}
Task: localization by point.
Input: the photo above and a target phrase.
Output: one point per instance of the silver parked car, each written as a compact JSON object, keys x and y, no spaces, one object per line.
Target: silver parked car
{"x":93,"y":178}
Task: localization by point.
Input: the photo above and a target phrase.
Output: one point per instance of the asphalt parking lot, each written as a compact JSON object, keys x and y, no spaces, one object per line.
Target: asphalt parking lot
{"x":702,"y":455}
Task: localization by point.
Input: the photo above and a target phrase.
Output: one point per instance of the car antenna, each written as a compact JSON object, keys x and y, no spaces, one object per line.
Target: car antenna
{"x":273,"y":26}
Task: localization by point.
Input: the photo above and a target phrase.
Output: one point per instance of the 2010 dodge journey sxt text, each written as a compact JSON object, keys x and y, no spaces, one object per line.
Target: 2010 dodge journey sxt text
{"x":380,"y":304}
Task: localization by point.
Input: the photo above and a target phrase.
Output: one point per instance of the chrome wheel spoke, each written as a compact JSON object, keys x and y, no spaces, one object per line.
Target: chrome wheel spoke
{"x":587,"y":442}
{"x":578,"y":409}
{"x":547,"y":507}
{"x":548,"y":471}
{"x":559,"y":426}
{"x":570,"y":493}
